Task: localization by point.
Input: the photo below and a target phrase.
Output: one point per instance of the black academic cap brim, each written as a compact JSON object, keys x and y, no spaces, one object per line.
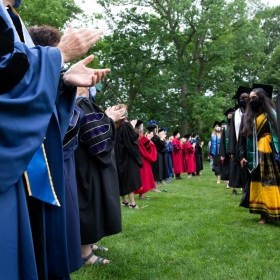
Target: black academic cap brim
{"x":241,"y":90}
{"x":216,"y":123}
{"x":175,"y":133}
{"x":139,"y":122}
{"x":151,"y":126}
{"x":267,"y":88}
{"x":229,"y":111}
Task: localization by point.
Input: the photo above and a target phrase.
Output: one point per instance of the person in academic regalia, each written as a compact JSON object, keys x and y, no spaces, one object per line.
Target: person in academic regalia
{"x":128,"y":159}
{"x":96,"y":174}
{"x":152,"y":134}
{"x":189,"y":149}
{"x":214,"y":150}
{"x":159,"y":167}
{"x":50,"y":36}
{"x":224,"y":152}
{"x":177,"y":155}
{"x":34,"y":115}
{"x":148,"y":155}
{"x":198,"y":153}
{"x":169,"y":150}
{"x":258,"y":149}
{"x":161,"y":148}
{"x":70,"y":144}
{"x":237,"y":175}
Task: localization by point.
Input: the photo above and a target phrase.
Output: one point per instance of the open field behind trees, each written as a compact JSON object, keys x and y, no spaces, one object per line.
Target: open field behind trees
{"x":195,"y":230}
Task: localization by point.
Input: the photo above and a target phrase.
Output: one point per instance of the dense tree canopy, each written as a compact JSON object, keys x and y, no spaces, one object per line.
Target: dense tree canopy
{"x":179,"y":62}
{"x":48,"y":12}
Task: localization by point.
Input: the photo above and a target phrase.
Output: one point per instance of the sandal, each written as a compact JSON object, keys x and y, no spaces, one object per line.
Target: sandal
{"x":125,"y":203}
{"x":135,"y":206}
{"x":99,"y":260}
{"x":99,"y":248}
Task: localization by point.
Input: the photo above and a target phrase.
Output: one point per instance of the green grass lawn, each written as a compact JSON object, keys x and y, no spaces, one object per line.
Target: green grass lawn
{"x":195,"y":230}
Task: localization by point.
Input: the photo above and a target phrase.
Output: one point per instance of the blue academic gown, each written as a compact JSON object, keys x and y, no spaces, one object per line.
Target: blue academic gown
{"x":31,"y":111}
{"x":70,"y":144}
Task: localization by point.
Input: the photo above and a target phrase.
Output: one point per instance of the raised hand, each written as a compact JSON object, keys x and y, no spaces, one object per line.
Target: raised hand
{"x":115,"y":113}
{"x":76,"y":42}
{"x":80,"y":76}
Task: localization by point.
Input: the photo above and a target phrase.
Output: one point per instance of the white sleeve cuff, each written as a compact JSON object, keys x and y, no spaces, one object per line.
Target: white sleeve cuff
{"x":62,"y":61}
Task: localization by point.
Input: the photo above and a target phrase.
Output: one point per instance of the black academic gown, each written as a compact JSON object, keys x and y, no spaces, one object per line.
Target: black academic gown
{"x":198,"y":158}
{"x":96,"y":175}
{"x":159,"y":167}
{"x":128,"y":159}
{"x":242,"y":152}
{"x":237,"y":174}
{"x":224,"y":153}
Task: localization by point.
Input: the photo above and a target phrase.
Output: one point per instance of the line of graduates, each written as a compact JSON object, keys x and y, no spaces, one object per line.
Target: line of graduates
{"x":245,"y":151}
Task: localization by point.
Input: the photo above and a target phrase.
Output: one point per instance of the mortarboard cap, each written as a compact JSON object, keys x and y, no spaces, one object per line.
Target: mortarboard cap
{"x":267,"y":88}
{"x":161,"y":129}
{"x":139,"y":122}
{"x":175,"y":133}
{"x":241,"y":90}
{"x":216,"y":123}
{"x":222,"y":122}
{"x":187,"y":136}
{"x":152,"y":125}
{"x":230,"y":110}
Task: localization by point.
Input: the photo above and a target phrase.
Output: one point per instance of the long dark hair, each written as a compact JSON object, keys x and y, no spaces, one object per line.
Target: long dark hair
{"x":250,"y":115}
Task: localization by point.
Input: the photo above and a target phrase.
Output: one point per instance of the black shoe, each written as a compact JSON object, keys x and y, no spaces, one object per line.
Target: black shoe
{"x":234,"y":192}
{"x":179,"y":178}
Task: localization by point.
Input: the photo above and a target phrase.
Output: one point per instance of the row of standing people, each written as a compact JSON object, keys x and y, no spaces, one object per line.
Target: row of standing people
{"x":245,"y":152}
{"x":39,"y":221}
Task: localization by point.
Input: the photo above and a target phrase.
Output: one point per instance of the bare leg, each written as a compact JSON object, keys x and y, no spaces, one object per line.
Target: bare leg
{"x":263,"y":219}
{"x":132,"y":201}
{"x":124,"y":201}
{"x":155,"y":189}
{"x":218,"y":179}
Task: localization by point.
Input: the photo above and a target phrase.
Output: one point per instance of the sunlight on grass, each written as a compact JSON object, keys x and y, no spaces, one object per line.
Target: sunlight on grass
{"x":195,"y":230}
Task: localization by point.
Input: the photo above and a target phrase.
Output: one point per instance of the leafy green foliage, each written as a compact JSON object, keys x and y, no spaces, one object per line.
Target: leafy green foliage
{"x":271,"y":73}
{"x":48,"y":12}
{"x":190,"y":48}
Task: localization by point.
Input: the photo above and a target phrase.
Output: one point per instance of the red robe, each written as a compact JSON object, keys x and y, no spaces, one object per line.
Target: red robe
{"x":148,"y":154}
{"x":190,"y":157}
{"x":177,"y":156}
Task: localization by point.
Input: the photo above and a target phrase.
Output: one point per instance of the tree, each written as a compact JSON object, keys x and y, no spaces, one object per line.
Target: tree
{"x":195,"y":47}
{"x":48,"y":12}
{"x":271,"y":73}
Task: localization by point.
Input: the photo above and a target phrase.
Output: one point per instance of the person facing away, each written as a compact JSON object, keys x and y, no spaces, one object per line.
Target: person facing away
{"x":214,"y":150}
{"x":128,"y":159}
{"x":177,"y":155}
